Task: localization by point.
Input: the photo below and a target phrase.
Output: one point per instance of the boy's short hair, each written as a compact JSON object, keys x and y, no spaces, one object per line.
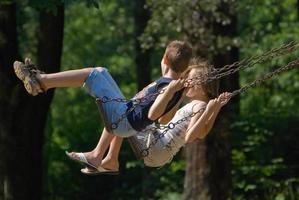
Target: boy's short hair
{"x":203,"y":69}
{"x":178,"y":54}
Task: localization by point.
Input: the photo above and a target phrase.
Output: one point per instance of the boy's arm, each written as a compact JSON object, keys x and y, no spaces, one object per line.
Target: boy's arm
{"x":200,"y":126}
{"x":159,"y":106}
{"x":169,"y":115}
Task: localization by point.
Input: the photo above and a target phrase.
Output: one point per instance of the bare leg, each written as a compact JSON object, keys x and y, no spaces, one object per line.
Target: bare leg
{"x":70,"y":78}
{"x":111,"y":159}
{"x":95,"y":157}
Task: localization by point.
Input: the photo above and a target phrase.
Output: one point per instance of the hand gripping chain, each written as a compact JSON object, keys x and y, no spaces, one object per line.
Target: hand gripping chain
{"x":289,"y":66}
{"x":206,"y":78}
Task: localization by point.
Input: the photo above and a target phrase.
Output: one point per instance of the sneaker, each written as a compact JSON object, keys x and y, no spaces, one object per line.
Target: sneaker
{"x":27,"y":73}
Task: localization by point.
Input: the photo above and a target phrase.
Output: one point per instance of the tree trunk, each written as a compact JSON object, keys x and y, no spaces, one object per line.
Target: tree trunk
{"x":8,"y":53}
{"x":50,"y":40}
{"x":208,"y":161}
{"x":23,"y":118}
{"x":49,"y":51}
{"x":142,"y":59}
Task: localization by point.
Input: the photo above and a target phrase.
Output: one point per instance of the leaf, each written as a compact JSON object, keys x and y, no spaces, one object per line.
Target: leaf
{"x":280,"y":197}
{"x":250,"y":187}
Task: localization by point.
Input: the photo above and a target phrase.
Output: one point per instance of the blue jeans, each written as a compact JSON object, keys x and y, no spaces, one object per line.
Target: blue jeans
{"x":99,"y":84}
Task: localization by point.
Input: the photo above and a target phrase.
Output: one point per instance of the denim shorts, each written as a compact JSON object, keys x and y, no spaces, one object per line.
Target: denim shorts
{"x":99,"y":84}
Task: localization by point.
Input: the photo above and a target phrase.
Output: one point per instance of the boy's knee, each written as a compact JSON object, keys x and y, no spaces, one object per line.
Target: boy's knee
{"x":100,"y":68}
{"x":88,"y":69}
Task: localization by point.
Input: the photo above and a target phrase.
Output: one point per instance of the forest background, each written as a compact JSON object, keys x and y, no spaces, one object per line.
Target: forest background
{"x":253,"y":150}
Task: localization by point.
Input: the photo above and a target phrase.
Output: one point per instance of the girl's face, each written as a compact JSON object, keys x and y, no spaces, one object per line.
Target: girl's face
{"x":195,"y":90}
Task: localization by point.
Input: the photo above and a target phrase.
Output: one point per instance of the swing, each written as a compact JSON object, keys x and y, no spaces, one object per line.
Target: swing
{"x":138,"y":148}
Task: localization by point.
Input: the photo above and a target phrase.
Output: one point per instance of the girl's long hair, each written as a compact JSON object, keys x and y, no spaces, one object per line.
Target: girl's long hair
{"x":203,"y":68}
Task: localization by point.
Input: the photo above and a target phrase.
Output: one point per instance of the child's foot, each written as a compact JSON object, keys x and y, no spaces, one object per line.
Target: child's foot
{"x":28,"y":73}
{"x":108,"y":167}
{"x":89,"y":156}
{"x":110,"y":164}
{"x":99,"y":171}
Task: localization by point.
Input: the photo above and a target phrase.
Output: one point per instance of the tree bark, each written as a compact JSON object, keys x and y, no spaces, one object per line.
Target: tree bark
{"x":142,"y":59}
{"x":143,"y":70}
{"x":209,"y":161}
{"x":219,"y":150}
{"x":8,"y":53}
{"x":23,"y":117}
{"x":49,"y":51}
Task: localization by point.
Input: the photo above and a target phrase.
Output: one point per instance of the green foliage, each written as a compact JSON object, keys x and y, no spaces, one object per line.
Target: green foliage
{"x":192,"y":20}
{"x":51,"y":5}
{"x":260,"y":159}
{"x":5,"y":2}
{"x":264,"y":138}
{"x":93,"y":39}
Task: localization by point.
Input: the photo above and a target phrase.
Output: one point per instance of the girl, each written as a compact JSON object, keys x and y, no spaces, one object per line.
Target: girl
{"x":203,"y":101}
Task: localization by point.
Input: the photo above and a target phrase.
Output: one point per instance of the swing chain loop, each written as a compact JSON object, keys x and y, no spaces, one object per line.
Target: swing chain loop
{"x":104,"y":99}
{"x":144,"y":152}
{"x":114,"y":125}
{"x":171,"y":125}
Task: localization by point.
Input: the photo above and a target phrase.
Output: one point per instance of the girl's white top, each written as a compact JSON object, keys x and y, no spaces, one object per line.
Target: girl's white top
{"x":163,"y":149}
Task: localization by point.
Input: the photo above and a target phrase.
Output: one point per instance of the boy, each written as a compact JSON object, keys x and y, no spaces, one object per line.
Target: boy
{"x":100,"y":84}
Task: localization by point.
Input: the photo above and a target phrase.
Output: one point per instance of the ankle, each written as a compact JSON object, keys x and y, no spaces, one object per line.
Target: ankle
{"x":42,"y":79}
{"x":110,"y":164}
{"x":111,"y":161}
{"x":95,"y":156}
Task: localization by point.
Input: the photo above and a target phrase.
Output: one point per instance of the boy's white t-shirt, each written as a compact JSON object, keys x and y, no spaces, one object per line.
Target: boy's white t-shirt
{"x":163,"y":150}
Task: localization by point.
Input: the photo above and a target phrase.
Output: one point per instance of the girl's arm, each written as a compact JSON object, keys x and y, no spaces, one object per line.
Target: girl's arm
{"x":169,"y":115}
{"x":159,"y":106}
{"x":197,"y":126}
{"x":200,"y":126}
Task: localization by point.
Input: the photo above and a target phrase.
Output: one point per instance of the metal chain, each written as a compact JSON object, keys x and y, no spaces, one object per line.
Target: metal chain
{"x":268,"y":76}
{"x":289,"y":66}
{"x":114,"y":125}
{"x":172,"y":125}
{"x":217,"y":73}
{"x":206,"y":78}
{"x":246,"y":63}
{"x":135,"y":103}
{"x":279,"y":51}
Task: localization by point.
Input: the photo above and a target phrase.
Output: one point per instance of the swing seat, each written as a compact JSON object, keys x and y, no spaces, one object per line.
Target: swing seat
{"x":133,"y":141}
